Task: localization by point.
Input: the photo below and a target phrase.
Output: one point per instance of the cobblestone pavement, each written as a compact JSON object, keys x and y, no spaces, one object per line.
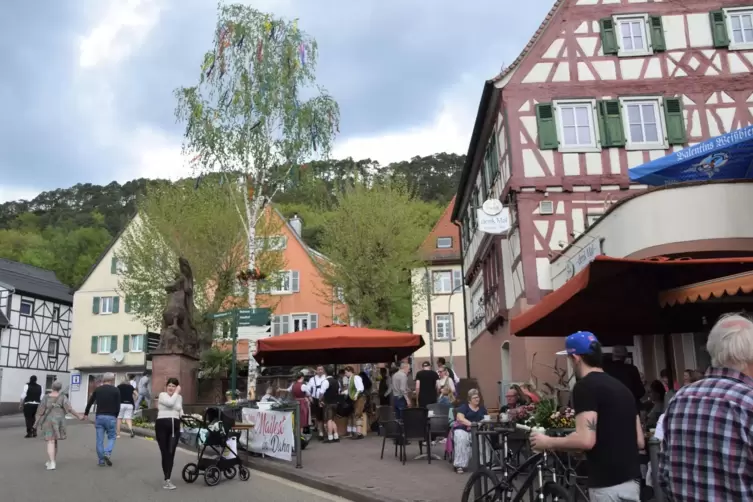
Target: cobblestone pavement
{"x":136,"y":474}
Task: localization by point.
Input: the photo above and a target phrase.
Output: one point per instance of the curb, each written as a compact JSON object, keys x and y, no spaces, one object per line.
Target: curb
{"x":297,"y":476}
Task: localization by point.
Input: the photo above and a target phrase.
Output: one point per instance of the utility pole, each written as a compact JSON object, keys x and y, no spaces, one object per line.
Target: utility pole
{"x":430,"y":321}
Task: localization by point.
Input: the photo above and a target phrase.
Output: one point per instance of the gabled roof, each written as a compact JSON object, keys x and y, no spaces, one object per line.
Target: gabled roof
{"x":442,"y":228}
{"x":104,"y":253}
{"x":34,"y":281}
{"x":535,"y":38}
{"x":313,"y":253}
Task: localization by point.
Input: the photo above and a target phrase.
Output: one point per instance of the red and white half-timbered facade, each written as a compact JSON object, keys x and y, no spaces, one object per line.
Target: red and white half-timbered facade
{"x":603,"y":86}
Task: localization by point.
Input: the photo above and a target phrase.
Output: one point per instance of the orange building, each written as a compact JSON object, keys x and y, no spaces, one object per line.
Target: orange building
{"x":301,"y":299}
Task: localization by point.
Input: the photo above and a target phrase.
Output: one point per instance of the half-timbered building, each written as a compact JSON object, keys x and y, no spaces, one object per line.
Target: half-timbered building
{"x":601,"y":87}
{"x":35,"y":329}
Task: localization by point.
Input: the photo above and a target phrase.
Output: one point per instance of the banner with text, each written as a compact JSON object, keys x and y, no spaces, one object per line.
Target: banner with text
{"x":272,"y":433}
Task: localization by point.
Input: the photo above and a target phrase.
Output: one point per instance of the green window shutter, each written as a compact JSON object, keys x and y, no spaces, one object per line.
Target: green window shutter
{"x":113,"y":343}
{"x":115,"y":304}
{"x":675,"y":121}
{"x":657,"y":33}
{"x":719,"y":28}
{"x":128,"y":304}
{"x":608,"y":36}
{"x":610,"y":123}
{"x":126,"y":343}
{"x":114,"y":265}
{"x":95,"y":344}
{"x":95,"y":305}
{"x":547,"y":126}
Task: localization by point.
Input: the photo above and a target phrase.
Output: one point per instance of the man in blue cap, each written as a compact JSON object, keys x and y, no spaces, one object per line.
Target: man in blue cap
{"x":607,"y":426}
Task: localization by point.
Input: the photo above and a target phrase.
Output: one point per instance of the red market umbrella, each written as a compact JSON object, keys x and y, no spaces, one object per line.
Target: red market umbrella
{"x":336,"y":345}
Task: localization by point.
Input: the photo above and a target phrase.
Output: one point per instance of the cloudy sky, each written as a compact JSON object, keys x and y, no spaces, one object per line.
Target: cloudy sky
{"x":86,"y":85}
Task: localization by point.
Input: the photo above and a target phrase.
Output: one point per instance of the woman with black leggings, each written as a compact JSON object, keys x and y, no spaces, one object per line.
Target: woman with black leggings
{"x":167,"y":427}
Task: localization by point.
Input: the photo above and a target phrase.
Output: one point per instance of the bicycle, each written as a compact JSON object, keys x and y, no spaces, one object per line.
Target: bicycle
{"x":485,"y":486}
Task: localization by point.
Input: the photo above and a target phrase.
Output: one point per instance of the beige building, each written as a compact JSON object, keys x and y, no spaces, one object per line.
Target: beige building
{"x":105,"y":336}
{"x":443,"y":328}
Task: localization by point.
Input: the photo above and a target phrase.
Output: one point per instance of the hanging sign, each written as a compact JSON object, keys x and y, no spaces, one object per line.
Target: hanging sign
{"x":272,"y":433}
{"x":498,"y":223}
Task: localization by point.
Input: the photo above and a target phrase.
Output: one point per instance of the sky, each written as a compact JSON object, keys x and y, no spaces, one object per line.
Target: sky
{"x":87,"y":85}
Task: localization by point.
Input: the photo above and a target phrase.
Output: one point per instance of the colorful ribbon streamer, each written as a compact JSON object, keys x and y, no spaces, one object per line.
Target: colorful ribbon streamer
{"x":302,"y":53}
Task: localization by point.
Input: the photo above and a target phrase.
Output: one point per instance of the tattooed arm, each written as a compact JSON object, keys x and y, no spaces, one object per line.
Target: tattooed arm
{"x":583,"y":439}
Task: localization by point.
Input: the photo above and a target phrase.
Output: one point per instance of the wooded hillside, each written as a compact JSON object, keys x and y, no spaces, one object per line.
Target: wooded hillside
{"x":65,"y":230}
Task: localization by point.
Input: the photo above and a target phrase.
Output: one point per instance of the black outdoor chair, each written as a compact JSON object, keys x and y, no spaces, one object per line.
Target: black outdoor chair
{"x":392,"y":429}
{"x":416,"y":426}
{"x":384,"y":414}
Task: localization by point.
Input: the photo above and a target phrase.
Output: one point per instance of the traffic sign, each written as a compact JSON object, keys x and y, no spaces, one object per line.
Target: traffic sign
{"x":220,"y":315}
{"x":253,"y":317}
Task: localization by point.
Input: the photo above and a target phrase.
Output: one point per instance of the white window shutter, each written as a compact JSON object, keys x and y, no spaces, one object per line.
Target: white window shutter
{"x":295,"y":281}
{"x":313,"y":321}
{"x":276,"y":326}
{"x":285,"y":324}
{"x":457,"y":280}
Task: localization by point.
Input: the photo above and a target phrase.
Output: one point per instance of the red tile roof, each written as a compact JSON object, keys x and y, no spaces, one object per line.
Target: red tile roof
{"x":443,"y":228}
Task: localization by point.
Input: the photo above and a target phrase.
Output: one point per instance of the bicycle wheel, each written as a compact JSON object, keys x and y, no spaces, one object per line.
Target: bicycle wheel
{"x":553,"y":491}
{"x":489,"y":488}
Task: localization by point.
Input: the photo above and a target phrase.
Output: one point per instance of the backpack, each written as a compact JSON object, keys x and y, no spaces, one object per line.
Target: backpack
{"x":366,"y":382}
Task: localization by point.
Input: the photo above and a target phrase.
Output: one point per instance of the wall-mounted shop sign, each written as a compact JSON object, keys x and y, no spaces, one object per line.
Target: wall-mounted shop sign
{"x":584,"y":256}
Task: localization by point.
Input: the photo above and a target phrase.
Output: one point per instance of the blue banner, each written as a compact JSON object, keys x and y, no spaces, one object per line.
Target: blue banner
{"x":729,"y":156}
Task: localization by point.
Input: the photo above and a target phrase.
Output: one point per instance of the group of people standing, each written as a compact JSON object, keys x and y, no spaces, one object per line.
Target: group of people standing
{"x":114,"y":405}
{"x":326,"y":393}
{"x":430,"y":386}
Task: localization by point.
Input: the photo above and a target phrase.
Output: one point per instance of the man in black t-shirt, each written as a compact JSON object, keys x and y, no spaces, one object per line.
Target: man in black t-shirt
{"x":607,"y":426}
{"x":426,"y":385}
{"x":128,"y":396}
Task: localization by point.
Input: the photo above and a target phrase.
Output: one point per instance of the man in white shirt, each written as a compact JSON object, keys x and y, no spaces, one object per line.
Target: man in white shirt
{"x":355,"y":394}
{"x":316,"y":391}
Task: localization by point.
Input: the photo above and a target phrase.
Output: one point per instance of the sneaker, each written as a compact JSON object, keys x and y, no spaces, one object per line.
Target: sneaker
{"x":117,"y":437}
{"x":108,"y":462}
{"x":51,"y":466}
{"x":132,"y":433}
{"x":169,"y":485}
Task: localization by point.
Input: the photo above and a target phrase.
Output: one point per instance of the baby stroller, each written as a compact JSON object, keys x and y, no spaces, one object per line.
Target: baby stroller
{"x":214,"y":431}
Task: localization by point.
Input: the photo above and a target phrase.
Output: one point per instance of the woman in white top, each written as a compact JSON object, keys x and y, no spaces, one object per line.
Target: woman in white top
{"x":167,"y":427}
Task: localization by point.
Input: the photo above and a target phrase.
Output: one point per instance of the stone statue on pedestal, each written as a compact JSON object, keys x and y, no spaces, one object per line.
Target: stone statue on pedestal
{"x":179,"y":335}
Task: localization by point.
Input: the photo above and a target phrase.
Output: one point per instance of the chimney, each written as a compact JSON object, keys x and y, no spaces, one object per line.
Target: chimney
{"x":297,"y":224}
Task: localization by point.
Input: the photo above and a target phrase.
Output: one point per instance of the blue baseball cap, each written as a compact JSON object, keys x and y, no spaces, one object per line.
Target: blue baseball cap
{"x":578,"y":344}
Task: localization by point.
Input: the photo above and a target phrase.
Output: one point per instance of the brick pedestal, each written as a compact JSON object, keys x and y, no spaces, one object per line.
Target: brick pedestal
{"x":184,"y":368}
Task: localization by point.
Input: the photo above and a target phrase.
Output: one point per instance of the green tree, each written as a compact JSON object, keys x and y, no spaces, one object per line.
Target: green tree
{"x":372,"y":239}
{"x":248,"y":115}
{"x":200,"y":224}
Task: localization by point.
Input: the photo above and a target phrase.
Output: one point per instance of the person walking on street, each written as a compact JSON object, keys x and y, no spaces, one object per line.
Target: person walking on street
{"x":30,"y":399}
{"x":144,"y":389}
{"x":708,"y":448}
{"x":50,"y":419}
{"x":107,"y":399}
{"x":167,"y":427}
{"x":607,"y":425}
{"x":127,"y":397}
{"x":426,"y":385}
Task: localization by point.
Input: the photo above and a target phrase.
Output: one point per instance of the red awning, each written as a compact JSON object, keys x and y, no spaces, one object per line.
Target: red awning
{"x":621,"y":297}
{"x":336,"y":345}
{"x":721,"y":287}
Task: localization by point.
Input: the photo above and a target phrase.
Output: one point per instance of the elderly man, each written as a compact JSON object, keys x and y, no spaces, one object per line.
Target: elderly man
{"x":708,"y":451}
{"x":107,"y":399}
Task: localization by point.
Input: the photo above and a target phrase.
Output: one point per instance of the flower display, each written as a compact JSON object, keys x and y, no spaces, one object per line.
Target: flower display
{"x":522,"y":414}
{"x":544,"y":414}
{"x":564,"y":419}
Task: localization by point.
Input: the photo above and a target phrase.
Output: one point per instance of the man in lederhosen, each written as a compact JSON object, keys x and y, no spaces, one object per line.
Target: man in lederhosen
{"x":316,"y":392}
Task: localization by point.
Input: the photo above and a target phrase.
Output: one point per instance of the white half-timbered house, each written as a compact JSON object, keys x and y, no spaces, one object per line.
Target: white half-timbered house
{"x":35,"y":329}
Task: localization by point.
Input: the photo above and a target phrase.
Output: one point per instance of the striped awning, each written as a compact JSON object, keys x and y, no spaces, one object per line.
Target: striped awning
{"x":730,"y":285}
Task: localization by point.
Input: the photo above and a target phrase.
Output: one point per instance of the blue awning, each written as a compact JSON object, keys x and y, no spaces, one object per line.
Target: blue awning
{"x":729,"y":156}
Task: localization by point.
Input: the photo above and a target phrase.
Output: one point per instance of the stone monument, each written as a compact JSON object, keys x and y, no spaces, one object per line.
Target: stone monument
{"x":177,"y":355}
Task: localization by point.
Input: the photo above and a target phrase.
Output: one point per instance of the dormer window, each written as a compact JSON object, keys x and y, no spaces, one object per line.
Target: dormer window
{"x":444,"y":242}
